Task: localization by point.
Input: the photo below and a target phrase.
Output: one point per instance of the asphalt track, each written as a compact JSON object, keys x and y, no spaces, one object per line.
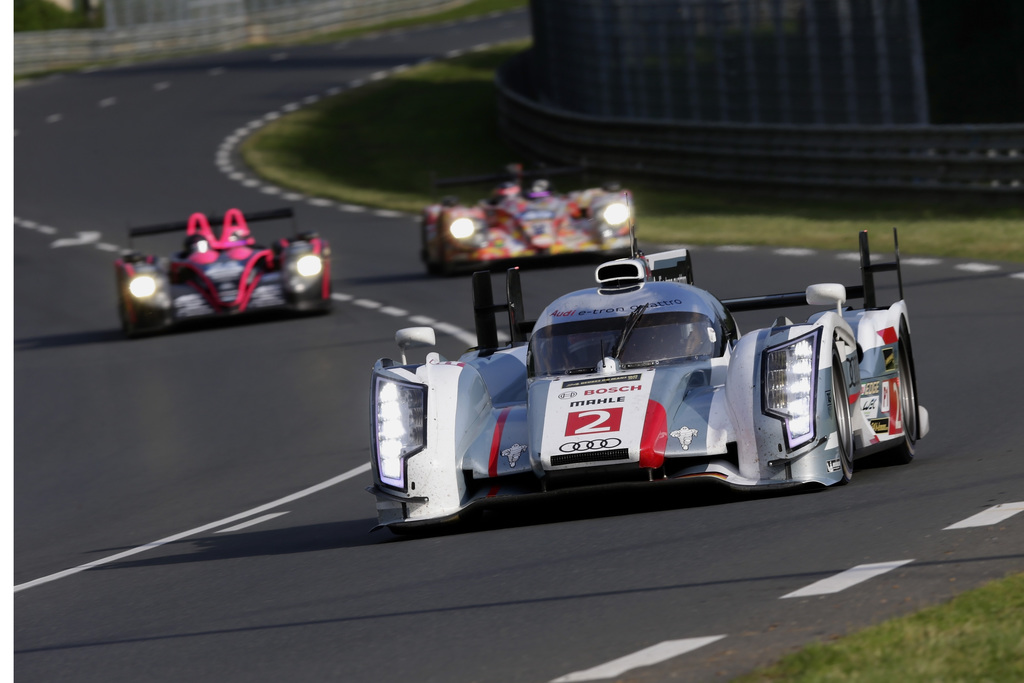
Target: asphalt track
{"x":214,"y":478}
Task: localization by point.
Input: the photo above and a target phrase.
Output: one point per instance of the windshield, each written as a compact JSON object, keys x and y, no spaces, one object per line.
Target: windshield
{"x":578,"y":346}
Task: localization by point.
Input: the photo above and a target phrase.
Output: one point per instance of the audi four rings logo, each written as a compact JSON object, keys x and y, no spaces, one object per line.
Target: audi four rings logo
{"x":567,"y":394}
{"x":592,"y":445}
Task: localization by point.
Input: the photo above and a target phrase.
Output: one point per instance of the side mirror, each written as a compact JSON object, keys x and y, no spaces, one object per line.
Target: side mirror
{"x":826,"y":294}
{"x":414,"y":337}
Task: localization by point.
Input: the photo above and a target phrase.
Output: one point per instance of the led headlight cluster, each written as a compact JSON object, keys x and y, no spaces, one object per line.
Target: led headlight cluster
{"x":461,"y":228}
{"x":615,"y":213}
{"x":142,"y":286}
{"x":400,"y":427}
{"x":309,"y":265}
{"x":790,"y":375}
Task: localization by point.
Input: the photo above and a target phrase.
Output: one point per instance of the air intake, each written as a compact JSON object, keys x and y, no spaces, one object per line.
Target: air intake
{"x":622,"y":273}
{"x":591,"y":456}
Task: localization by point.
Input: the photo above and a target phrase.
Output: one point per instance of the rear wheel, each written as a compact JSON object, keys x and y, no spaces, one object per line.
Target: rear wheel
{"x":907,"y":397}
{"x":844,"y":426}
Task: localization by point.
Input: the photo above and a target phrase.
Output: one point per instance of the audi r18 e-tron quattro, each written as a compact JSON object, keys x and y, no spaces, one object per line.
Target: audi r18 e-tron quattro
{"x":643,"y":378}
{"x":524,"y":219}
{"x":217,"y":276}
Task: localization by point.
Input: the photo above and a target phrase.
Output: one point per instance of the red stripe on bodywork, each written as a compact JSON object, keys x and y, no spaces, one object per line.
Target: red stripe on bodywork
{"x":494,"y":491}
{"x":655,"y":436}
{"x":492,"y":466}
{"x":854,"y":397}
{"x":888,"y":335}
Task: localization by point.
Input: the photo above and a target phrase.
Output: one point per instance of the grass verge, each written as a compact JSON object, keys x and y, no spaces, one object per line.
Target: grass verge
{"x":378,"y":145}
{"x":978,"y":636}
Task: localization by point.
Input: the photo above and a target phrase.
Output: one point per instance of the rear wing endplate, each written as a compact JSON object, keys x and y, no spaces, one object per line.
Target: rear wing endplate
{"x":485,"y":310}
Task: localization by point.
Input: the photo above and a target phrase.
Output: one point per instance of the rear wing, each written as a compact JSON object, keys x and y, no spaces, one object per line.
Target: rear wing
{"x":512,"y":172}
{"x":178,"y":226}
{"x":865,"y":290}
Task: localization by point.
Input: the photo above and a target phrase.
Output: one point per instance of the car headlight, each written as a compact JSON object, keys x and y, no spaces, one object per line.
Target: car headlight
{"x":399,"y":427}
{"x":788,"y":383}
{"x":142,"y":286}
{"x":616,"y":213}
{"x":309,"y":265}
{"x":461,"y":228}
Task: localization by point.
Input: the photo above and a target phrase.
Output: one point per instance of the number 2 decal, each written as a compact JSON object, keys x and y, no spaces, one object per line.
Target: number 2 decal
{"x":593,"y":421}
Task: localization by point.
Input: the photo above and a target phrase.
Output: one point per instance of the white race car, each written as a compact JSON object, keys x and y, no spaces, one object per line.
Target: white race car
{"x":644,"y":378}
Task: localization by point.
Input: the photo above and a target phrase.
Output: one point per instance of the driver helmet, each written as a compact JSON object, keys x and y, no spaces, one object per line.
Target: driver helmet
{"x":540,"y":188}
{"x":239,"y":237}
{"x":196,"y":244}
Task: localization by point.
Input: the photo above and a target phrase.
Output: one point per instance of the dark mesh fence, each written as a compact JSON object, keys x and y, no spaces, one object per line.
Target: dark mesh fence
{"x":856,"y":62}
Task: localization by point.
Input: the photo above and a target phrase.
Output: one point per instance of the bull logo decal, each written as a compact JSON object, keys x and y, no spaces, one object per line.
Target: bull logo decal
{"x":513,"y":453}
{"x":685,"y":436}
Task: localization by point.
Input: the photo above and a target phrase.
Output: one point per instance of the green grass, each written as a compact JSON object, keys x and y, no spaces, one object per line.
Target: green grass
{"x":978,"y":637}
{"x":360,"y":148}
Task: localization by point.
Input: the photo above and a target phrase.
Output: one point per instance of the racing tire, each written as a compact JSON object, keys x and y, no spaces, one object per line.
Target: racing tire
{"x":844,"y":423}
{"x":127,"y":326}
{"x":907,"y":396}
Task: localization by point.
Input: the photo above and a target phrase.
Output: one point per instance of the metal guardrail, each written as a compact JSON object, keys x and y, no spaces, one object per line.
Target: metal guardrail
{"x":36,"y":51}
{"x":950,"y":159}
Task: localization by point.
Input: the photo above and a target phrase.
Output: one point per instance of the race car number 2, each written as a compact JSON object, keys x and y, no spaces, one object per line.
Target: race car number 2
{"x":593,"y":421}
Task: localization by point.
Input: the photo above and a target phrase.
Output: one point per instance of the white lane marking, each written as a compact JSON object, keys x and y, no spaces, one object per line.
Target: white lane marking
{"x":794,"y":251}
{"x":162,"y":85}
{"x":83,"y":238}
{"x":994,"y":515}
{"x":108,"y":102}
{"x":217,"y":71}
{"x":977,"y":267}
{"x":317,"y":201}
{"x":251,"y":522}
{"x":105,"y":246}
{"x":421,"y":320}
{"x":362,"y":469}
{"x":337,"y":296}
{"x":452,"y":54}
{"x":462,"y":335}
{"x":47,"y":230}
{"x":378,"y":76}
{"x":848,"y":256}
{"x":367,"y":303}
{"x":279,"y":56}
{"x":396,"y":312}
{"x":646,"y":657}
{"x":352,"y":208}
{"x":311,"y":99}
{"x":920,"y":261}
{"x":844,"y":580}
{"x":388,"y":213}
{"x":734,"y":247}
{"x":1018,"y":276}
{"x":291,"y":106}
{"x":54,"y":118}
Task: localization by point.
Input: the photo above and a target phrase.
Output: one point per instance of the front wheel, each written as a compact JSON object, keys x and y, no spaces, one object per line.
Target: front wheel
{"x":844,"y":426}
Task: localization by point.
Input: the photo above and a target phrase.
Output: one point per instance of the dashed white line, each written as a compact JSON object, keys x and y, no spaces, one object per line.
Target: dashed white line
{"x":54,"y":118}
{"x":279,"y":56}
{"x":162,"y":85}
{"x":362,"y":469}
{"x":1018,"y":276}
{"x":387,"y":213}
{"x":734,"y":247}
{"x":649,"y":656}
{"x":421,"y":320}
{"x":108,"y":102}
{"x":844,"y":580}
{"x":396,"y":312}
{"x":352,"y":208}
{"x":47,"y":230}
{"x":993,"y":515}
{"x":106,"y":246}
{"x":317,"y":201}
{"x":977,"y":267}
{"x":217,"y":71}
{"x":338,"y":296}
{"x":367,"y":303}
{"x":920,"y":261}
{"x":251,"y":522}
{"x":794,"y":251}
